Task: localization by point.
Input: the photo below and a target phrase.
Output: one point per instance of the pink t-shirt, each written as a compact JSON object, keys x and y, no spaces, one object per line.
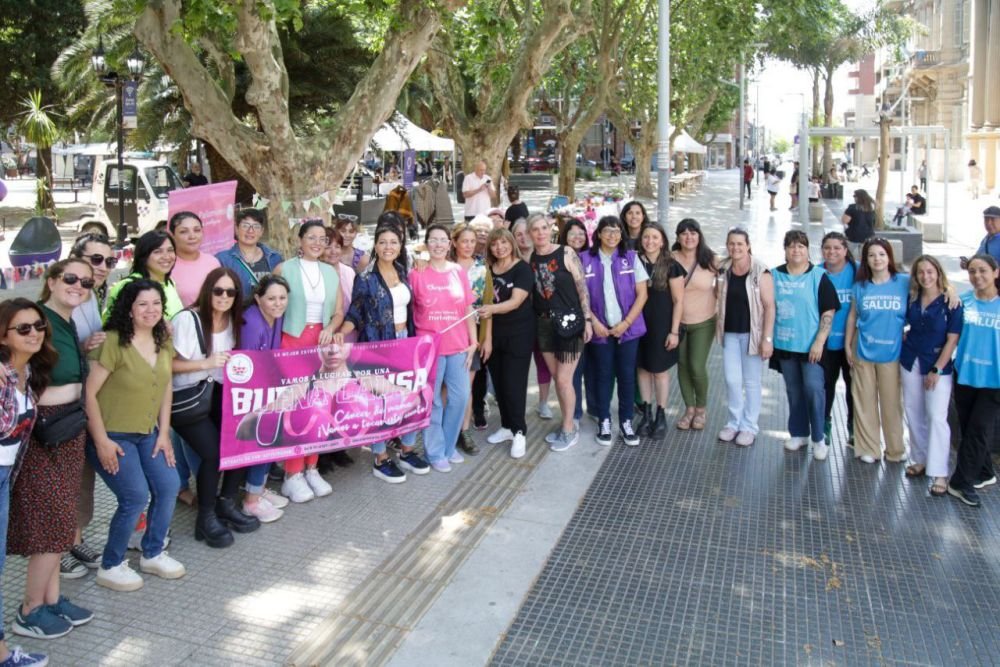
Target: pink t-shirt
{"x":189,"y":276}
{"x":441,"y":298}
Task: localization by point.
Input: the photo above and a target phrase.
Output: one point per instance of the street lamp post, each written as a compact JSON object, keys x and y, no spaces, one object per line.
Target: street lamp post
{"x":135,"y":64}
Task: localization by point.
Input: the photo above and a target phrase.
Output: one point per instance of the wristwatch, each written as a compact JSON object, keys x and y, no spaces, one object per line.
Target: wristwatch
{"x":935,"y":370}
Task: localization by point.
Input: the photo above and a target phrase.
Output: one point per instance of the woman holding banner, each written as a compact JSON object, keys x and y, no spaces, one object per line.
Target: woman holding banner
{"x":313,"y":315}
{"x":261,"y":330}
{"x":154,"y":259}
{"x":442,"y":304}
{"x":203,"y":337}
{"x":381,"y":309}
{"x":192,"y":264}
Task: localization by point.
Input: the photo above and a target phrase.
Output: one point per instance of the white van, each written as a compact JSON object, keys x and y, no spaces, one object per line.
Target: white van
{"x":146,"y":184}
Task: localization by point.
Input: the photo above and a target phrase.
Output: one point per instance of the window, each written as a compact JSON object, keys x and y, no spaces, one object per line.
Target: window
{"x":961,"y":36}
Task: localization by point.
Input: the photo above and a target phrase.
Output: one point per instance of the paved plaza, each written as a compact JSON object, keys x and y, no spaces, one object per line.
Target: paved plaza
{"x":685,"y":551}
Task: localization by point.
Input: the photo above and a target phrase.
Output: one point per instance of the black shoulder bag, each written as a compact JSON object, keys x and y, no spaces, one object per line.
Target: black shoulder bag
{"x":193,"y":403}
{"x":68,"y":421}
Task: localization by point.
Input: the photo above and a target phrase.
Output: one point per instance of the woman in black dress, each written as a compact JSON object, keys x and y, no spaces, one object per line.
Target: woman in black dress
{"x":662,"y":313}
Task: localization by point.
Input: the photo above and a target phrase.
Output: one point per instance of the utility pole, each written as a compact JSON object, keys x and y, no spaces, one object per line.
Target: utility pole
{"x":663,"y":117}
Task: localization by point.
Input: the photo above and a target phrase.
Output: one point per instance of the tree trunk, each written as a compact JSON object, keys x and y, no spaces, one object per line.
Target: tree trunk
{"x":828,"y":122}
{"x":814,"y":120}
{"x":490,"y":146}
{"x":45,"y":201}
{"x":643,"y":152}
{"x":567,"y":167}
{"x":883,"y":168}
{"x":222,"y":171}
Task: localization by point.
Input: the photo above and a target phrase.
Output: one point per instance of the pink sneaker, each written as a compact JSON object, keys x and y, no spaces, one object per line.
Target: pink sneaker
{"x":263,"y":510}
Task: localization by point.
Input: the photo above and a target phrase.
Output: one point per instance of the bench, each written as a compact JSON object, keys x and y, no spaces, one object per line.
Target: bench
{"x":933,"y":231}
{"x":69,"y":183}
{"x":526,"y":182}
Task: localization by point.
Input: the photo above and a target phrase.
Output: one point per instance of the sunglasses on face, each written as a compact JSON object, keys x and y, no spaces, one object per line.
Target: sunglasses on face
{"x":72,"y":279}
{"x":225,"y":291}
{"x":96,"y":260}
{"x":347,"y":217}
{"x":24,"y":329}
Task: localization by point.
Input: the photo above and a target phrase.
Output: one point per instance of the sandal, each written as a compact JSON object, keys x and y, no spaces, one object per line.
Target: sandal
{"x":698,"y":423}
{"x":940,"y":487}
{"x":684,"y":423}
{"x":915,"y":470}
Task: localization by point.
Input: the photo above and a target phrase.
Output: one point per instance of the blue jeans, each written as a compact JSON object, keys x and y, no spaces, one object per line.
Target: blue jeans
{"x":742,"y":372}
{"x":139,"y":475}
{"x":187,"y":460}
{"x":578,"y":387}
{"x":806,"y":389}
{"x":5,"y":472}
{"x":408,"y":439}
{"x":441,"y":434}
{"x":608,"y":362}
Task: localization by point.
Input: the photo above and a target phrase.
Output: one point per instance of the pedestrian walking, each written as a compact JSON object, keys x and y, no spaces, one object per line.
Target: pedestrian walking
{"x":747,"y":176}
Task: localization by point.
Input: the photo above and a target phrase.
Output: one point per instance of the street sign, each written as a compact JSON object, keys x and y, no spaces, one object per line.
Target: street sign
{"x":409,"y":167}
{"x":130,"y":105}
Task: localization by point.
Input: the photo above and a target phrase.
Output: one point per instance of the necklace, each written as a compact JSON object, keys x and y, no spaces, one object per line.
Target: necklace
{"x":314,"y":284}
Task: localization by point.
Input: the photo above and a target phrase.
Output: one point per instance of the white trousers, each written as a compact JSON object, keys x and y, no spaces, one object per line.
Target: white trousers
{"x":927,"y":420}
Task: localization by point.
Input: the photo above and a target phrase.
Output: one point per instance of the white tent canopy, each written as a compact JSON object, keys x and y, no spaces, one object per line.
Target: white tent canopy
{"x":684,"y":143}
{"x":401,"y":134}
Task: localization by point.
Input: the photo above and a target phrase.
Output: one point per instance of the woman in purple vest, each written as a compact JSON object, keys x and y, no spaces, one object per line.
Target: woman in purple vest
{"x":616,"y":283}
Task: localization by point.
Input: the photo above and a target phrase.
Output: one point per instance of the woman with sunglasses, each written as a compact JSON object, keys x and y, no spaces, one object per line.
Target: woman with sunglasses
{"x":872,"y":343}
{"x":442,"y":297}
{"x":129,"y":399}
{"x":249,"y":257}
{"x":204,"y":336}
{"x":96,"y":250}
{"x":192,"y":264}
{"x":26,"y":359}
{"x":977,"y":381}
{"x":745,"y":328}
{"x":840,"y":267}
{"x":154,"y":260}
{"x":928,"y":372}
{"x":349,"y":229}
{"x":616,"y":283}
{"x":463,"y":247}
{"x":44,"y":498}
{"x":261,"y":330}
{"x":382,"y":309}
{"x":699,"y":264}
{"x":313,"y":315}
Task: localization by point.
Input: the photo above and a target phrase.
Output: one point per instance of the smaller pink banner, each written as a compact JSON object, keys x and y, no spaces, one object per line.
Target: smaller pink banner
{"x":215,"y":205}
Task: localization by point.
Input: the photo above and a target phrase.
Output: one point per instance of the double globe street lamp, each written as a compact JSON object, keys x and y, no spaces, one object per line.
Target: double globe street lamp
{"x":135,"y":64}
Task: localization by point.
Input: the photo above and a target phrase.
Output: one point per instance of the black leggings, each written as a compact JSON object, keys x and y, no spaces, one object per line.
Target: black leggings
{"x":978,"y":414}
{"x":203,"y":437}
{"x":834,"y":364}
{"x":509,"y":366}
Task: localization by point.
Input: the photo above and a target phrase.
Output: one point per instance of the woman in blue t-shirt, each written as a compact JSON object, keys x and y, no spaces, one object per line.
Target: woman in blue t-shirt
{"x":872,"y":343}
{"x":926,"y":364}
{"x":977,"y":380}
{"x":840,"y":269}
{"x":805,"y":303}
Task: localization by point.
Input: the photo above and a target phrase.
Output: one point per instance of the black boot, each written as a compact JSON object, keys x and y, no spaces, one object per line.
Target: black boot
{"x":209,"y":529}
{"x":232,"y":516}
{"x":341,"y":458}
{"x":643,"y":418}
{"x":658,"y":427}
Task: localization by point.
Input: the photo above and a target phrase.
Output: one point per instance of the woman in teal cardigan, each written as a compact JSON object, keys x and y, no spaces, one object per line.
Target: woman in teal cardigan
{"x":314,"y":312}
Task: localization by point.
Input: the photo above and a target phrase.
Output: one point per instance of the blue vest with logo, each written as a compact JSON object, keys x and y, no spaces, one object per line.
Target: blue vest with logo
{"x":797,"y":304}
{"x":623,"y":278}
{"x":977,"y":359}
{"x":844,"y":283}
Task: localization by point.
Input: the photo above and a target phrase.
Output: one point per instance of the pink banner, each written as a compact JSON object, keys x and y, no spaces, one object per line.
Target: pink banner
{"x":283,"y":404}
{"x":214,"y":204}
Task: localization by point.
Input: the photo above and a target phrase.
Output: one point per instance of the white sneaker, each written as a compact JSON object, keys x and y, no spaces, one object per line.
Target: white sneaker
{"x":868,"y":458}
{"x":276,"y":501}
{"x":119,"y":578}
{"x":794,"y":444}
{"x":500,"y":435}
{"x":728,"y":434}
{"x":456,"y":458}
{"x":162,"y":566}
{"x":263,"y":510}
{"x":544,"y":411}
{"x":820,"y":451}
{"x":517,"y":447}
{"x":297,"y":489}
{"x":318,"y":485}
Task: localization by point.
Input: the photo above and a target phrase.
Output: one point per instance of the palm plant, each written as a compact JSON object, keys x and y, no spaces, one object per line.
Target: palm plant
{"x":38,"y":127}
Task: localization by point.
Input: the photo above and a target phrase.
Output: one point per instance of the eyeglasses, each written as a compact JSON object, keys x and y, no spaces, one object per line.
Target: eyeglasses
{"x":321,"y":240}
{"x":97,"y":260}
{"x":225,"y":291}
{"x":72,"y":279}
{"x":251,"y":226}
{"x":24,"y":329}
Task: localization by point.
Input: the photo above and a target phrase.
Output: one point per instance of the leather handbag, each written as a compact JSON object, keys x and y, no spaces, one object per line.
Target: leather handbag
{"x":193,"y":404}
{"x":567,"y":322}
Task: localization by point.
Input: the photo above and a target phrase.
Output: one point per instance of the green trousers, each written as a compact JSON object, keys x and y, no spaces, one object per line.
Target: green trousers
{"x":692,"y":367}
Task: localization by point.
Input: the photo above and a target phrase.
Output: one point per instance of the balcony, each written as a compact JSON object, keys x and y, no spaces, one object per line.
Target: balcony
{"x":924,"y":59}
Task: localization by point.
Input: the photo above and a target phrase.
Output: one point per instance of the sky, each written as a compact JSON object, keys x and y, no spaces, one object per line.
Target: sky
{"x":779,"y":86}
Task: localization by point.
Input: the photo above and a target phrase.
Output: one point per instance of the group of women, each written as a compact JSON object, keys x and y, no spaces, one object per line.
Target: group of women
{"x":91,"y":371}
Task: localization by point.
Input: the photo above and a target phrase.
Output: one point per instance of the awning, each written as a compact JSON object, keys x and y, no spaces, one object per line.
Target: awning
{"x":400,"y":134}
{"x":684,"y":143}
